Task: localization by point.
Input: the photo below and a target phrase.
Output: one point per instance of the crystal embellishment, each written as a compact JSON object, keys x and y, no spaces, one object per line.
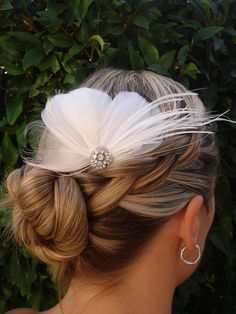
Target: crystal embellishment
{"x":101,"y":157}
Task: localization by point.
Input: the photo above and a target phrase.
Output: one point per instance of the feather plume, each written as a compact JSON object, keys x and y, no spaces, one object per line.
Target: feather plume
{"x":76,"y":123}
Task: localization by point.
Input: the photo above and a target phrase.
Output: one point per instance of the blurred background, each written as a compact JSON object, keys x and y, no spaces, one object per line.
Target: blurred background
{"x":51,"y":46}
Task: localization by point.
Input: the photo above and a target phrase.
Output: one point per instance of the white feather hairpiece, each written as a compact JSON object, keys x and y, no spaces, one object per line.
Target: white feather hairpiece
{"x":87,"y":123}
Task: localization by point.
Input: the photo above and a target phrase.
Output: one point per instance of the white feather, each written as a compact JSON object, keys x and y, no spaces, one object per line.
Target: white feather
{"x":78,"y":122}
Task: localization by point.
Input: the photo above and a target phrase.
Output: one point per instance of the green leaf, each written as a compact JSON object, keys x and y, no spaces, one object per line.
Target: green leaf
{"x":3,"y":122}
{"x":41,"y":80}
{"x":5,"y":5}
{"x":167,"y":59}
{"x":26,"y":37}
{"x":6,"y":292}
{"x":33,"y":92}
{"x":55,"y":64}
{"x":9,"y":151}
{"x":69,"y":79}
{"x":49,"y":16}
{"x":86,"y":4}
{"x":158,"y":68}
{"x":116,"y":30}
{"x":207,"y":32}
{"x":48,"y":47}
{"x":135,"y":59}
{"x":13,"y":109}
{"x":156,"y":11}
{"x":12,"y":268}
{"x":45,"y":63}
{"x":113,"y":19}
{"x":141,"y":21}
{"x":20,"y":134}
{"x":76,"y":49}
{"x":141,"y":3}
{"x":36,"y":299}
{"x":191,"y":69}
{"x":32,"y":57}
{"x":98,"y":39}
{"x":182,"y":54}
{"x":13,"y":69}
{"x":149,"y":51}
{"x":81,"y":8}
{"x":10,"y":47}
{"x":60,"y":40}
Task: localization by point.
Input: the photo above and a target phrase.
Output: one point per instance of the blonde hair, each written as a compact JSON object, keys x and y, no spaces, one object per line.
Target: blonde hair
{"x":96,"y":223}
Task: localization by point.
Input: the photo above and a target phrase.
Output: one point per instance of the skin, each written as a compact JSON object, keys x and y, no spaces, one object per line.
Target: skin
{"x":150,"y":282}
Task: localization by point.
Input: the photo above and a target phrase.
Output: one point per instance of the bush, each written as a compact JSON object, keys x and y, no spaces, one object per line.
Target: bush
{"x":54,"y":45}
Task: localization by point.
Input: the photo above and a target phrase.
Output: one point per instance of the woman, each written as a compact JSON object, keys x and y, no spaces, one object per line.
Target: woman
{"x":119,"y":196}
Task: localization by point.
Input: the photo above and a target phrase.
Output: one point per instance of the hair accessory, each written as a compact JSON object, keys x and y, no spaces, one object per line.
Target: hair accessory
{"x":87,"y":128}
{"x":101,"y":157}
{"x":190,"y":262}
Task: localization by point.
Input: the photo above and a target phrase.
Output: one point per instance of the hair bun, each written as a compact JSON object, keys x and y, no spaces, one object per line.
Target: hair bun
{"x":49,"y":214}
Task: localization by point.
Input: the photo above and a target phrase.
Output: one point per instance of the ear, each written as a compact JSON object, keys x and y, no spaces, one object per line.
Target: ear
{"x":190,"y":223}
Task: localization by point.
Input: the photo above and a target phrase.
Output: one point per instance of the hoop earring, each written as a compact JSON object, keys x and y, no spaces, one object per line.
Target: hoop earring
{"x":190,"y":262}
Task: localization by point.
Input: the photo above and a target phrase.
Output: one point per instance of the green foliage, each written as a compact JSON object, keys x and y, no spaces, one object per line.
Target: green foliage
{"x":54,"y":45}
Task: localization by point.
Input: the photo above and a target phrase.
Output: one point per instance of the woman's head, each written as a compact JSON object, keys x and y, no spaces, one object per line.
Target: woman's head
{"x":95,"y":223}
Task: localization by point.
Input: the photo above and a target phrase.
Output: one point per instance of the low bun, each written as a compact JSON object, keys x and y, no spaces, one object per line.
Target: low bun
{"x":49,"y":214}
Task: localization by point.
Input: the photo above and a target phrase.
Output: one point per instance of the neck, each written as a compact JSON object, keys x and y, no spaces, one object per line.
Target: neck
{"x":147,"y":288}
{"x":139,"y":299}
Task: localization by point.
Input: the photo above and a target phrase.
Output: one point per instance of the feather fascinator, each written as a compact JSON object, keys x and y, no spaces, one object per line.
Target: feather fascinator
{"x":86,"y":126}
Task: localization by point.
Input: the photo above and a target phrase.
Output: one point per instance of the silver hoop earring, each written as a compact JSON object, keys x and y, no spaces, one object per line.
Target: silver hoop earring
{"x":190,"y":262}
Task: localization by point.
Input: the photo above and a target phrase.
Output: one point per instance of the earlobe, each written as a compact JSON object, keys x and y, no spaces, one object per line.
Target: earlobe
{"x":191,"y":222}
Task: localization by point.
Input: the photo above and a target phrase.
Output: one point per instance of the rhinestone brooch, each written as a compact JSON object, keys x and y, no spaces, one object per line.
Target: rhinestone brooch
{"x":101,"y":157}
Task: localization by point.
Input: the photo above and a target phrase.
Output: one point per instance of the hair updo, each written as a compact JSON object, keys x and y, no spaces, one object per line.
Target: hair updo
{"x":95,"y":223}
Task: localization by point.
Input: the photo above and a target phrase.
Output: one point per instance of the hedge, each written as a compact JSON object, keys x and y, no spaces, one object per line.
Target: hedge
{"x":47,"y":46}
